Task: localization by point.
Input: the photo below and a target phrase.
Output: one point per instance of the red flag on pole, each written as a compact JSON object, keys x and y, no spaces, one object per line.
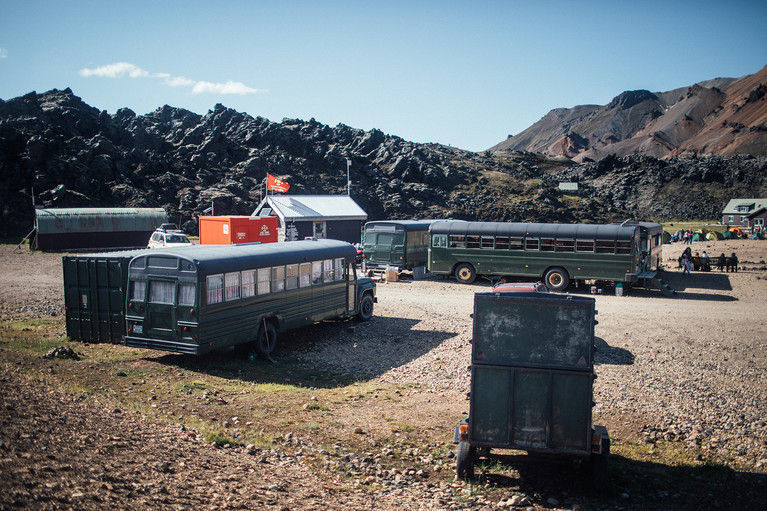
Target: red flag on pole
{"x":278,"y":185}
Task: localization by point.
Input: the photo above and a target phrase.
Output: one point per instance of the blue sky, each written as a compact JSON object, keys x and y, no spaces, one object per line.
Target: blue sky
{"x":463,"y":73}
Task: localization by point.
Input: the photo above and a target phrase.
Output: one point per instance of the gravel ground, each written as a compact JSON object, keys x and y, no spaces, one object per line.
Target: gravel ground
{"x":687,"y":370}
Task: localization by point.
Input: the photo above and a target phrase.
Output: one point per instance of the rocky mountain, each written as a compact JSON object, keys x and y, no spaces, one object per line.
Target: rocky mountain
{"x":725,"y":116}
{"x":61,"y":152}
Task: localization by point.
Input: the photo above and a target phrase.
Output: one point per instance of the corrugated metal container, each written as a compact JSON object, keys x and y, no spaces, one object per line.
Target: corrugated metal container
{"x":231,"y":230}
{"x":71,"y":228}
{"x":95,"y":287}
{"x":532,"y":372}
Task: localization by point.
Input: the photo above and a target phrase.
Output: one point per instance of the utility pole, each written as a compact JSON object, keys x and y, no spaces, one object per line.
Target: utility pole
{"x":348,"y":180}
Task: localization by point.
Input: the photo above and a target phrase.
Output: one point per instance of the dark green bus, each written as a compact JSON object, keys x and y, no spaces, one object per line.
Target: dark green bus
{"x":198,"y":300}
{"x":557,"y":253}
{"x":400,"y":243}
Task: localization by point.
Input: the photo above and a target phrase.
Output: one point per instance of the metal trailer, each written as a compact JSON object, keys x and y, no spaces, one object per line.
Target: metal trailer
{"x":95,"y":287}
{"x":532,"y":371}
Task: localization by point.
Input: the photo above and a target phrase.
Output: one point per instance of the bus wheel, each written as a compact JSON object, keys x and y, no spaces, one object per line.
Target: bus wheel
{"x":267,"y":339}
{"x":556,"y":279}
{"x":366,"y":308}
{"x":465,"y":273}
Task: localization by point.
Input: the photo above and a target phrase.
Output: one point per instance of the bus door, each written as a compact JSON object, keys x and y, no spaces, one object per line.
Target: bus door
{"x":160,"y":317}
{"x":351,"y":288}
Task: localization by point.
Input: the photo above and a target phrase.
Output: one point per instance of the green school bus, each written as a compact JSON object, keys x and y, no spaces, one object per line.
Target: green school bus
{"x":400,"y":243}
{"x":209,"y":297}
{"x":557,"y":253}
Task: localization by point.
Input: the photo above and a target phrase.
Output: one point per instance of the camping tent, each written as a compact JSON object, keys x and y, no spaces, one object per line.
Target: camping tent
{"x":666,"y":237}
{"x":729,"y":235}
{"x":698,"y":236}
{"x":714,"y":235}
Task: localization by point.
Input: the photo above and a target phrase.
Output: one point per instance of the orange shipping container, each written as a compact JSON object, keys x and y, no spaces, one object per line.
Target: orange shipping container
{"x":232,"y":230}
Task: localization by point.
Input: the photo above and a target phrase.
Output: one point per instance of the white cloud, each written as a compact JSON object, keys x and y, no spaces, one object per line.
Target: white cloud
{"x":123,"y":69}
{"x":3,"y":53}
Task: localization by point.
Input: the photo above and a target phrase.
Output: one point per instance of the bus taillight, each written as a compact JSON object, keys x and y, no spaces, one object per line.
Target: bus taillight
{"x":191,"y":311}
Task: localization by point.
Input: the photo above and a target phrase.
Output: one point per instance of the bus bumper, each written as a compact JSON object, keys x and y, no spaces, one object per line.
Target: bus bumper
{"x":158,"y":344}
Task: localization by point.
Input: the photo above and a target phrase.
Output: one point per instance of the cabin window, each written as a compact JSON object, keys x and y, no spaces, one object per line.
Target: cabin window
{"x":584,"y":245}
{"x":472,"y":241}
{"x":515,"y":243}
{"x":316,"y":272}
{"x":291,"y":276}
{"x":439,"y":241}
{"x":327,"y":270}
{"x":138,"y":289}
{"x":278,"y":278}
{"x":623,"y":246}
{"x":339,"y":269}
{"x":161,"y":291}
{"x":186,"y":294}
{"x":565,"y":245}
{"x":457,"y":241}
{"x":502,"y":242}
{"x":547,"y":244}
{"x":248,"y":284}
{"x":305,"y":275}
{"x":605,"y":247}
{"x":531,"y":243}
{"x":232,"y":286}
{"x":264,"y":285}
{"x":215,"y":285}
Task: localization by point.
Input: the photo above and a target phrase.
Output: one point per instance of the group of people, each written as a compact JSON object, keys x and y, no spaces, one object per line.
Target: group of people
{"x":688,"y":262}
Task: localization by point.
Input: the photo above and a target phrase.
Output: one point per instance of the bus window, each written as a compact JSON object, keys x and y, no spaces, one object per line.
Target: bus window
{"x":457,"y":241}
{"x":138,"y":288}
{"x":531,"y":243}
{"x":305,"y":275}
{"x":623,"y":247}
{"x":605,"y":247}
{"x":186,"y":294}
{"x":565,"y":245}
{"x":327,"y":270}
{"x":264,"y":281}
{"x":439,"y":241}
{"x":248,"y":284}
{"x":502,"y":242}
{"x":161,"y":291}
{"x":487,"y":242}
{"x":472,"y":241}
{"x":584,"y":245}
{"x":339,"y":269}
{"x":215,"y":286}
{"x":316,"y":272}
{"x":291,"y":276}
{"x":515,"y":243}
{"x":547,"y":244}
{"x":278,"y":278}
{"x":232,"y":286}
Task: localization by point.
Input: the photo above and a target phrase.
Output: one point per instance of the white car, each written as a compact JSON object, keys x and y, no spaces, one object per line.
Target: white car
{"x":164,"y":238}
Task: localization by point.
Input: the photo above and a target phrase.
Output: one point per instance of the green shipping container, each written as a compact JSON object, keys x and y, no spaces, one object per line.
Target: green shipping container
{"x":95,"y":287}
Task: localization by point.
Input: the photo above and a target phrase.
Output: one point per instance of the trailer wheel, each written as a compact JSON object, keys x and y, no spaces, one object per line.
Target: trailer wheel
{"x":366,"y":307}
{"x":465,"y":273}
{"x":464,"y":460}
{"x":266,"y":339}
{"x":556,"y":279}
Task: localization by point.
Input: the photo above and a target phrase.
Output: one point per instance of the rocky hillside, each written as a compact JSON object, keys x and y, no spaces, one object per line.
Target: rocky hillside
{"x":723,"y":116}
{"x":64,"y":153}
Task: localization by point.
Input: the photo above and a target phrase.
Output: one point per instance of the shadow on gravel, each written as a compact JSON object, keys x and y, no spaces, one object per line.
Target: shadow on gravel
{"x":640,"y":485}
{"x":329,"y":354}
{"x":606,"y":354}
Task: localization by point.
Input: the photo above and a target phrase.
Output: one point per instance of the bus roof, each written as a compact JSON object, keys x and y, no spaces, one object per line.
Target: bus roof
{"x":408,"y":225}
{"x":213,"y":259}
{"x":562,"y":231}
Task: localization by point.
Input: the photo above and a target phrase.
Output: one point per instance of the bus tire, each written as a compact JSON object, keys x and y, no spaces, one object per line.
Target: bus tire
{"x":556,"y":279}
{"x":465,"y":273}
{"x":266,"y":340}
{"x":366,"y":307}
